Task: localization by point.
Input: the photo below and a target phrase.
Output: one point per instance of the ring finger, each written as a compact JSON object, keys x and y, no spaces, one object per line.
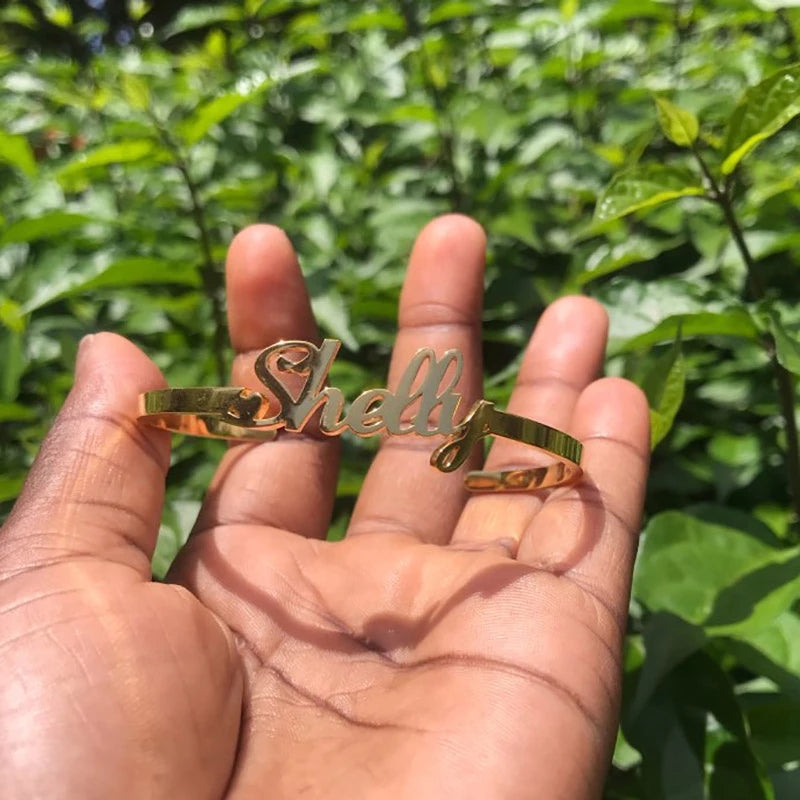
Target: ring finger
{"x":564,"y":355}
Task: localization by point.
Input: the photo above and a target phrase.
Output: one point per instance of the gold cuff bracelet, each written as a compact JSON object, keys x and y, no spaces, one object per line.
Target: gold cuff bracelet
{"x":427,"y":385}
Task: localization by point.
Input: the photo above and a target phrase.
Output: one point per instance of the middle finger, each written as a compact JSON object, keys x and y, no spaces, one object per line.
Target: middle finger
{"x":440,"y":308}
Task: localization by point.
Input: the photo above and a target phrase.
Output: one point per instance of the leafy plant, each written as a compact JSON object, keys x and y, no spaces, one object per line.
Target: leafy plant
{"x":602,"y":147}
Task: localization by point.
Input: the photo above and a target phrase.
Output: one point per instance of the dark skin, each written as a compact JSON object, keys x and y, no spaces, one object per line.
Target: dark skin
{"x":449,"y":646}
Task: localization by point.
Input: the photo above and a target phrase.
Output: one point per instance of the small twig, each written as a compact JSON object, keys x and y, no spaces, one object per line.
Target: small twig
{"x":791,"y":36}
{"x":211,"y":277}
{"x":677,"y":41}
{"x":783,"y":378}
{"x":212,"y":281}
{"x":447,"y":129}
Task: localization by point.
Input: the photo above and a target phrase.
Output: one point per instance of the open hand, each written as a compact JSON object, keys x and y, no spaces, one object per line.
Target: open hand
{"x":448,"y":647}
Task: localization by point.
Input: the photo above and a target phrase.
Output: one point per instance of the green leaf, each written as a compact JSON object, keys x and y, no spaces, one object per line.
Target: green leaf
{"x":16,"y":151}
{"x":667,"y":738}
{"x":248,"y":88}
{"x":737,"y":775}
{"x":787,"y":347}
{"x":518,"y":223}
{"x":48,"y":225}
{"x":679,"y":126}
{"x":668,"y":640}
{"x":16,"y":412}
{"x":775,"y":728}
{"x":178,"y":519}
{"x":733,"y":323}
{"x":58,"y":13}
{"x":772,"y":649}
{"x":12,"y":364}
{"x":664,"y":384}
{"x":756,"y":599}
{"x":609,"y":258}
{"x":644,"y":186}
{"x":11,"y":315}
{"x":451,"y":9}
{"x":333,"y":315}
{"x":132,"y":271}
{"x":625,"y":755}
{"x":214,"y":111}
{"x":10,"y":487}
{"x":136,"y":91}
{"x":190,"y":18}
{"x":688,"y":561}
{"x":763,"y":110}
{"x":142,"y":271}
{"x":371,"y":20}
{"x":568,"y":9}
{"x":137,"y":9}
{"x":125,"y":152}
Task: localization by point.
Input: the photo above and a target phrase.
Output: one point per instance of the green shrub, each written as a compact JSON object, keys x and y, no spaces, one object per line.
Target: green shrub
{"x":641,"y":152}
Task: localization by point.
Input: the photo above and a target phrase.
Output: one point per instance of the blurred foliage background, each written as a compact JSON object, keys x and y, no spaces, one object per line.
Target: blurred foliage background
{"x":640,"y":151}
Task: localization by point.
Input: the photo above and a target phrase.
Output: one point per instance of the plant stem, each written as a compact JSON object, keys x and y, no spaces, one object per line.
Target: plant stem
{"x":212,"y":280}
{"x":211,"y":276}
{"x":783,"y":378}
{"x":791,"y":37}
{"x":446,"y":127}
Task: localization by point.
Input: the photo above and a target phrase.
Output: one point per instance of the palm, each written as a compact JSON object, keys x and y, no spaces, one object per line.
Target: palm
{"x":373,"y":663}
{"x":470,"y":648}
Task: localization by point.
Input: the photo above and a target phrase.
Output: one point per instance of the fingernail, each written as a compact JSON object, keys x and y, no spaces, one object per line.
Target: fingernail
{"x":84,"y":346}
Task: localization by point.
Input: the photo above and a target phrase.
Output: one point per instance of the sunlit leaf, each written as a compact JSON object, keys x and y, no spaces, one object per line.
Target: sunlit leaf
{"x":11,"y":315}
{"x":136,"y":91}
{"x":58,"y":13}
{"x":763,"y":110}
{"x":16,"y":151}
{"x":773,"y":649}
{"x":644,"y":186}
{"x":132,"y":271}
{"x":248,"y":88}
{"x":713,"y":574}
{"x":787,"y":345}
{"x":736,"y":324}
{"x":451,"y":9}
{"x":679,"y":126}
{"x":125,"y":152}
{"x":369,"y":20}
{"x":332,"y":314}
{"x":48,"y":225}
{"x":138,"y":8}
{"x":609,"y":258}
{"x":191,"y":18}
{"x":625,"y":755}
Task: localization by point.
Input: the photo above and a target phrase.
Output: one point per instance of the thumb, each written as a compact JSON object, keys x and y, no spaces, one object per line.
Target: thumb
{"x":97,"y":486}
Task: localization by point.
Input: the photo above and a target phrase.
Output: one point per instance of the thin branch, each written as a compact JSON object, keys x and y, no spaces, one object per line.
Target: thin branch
{"x":783,"y":378}
{"x":447,"y":136}
{"x":211,"y":276}
{"x":212,"y":280}
{"x":791,"y":36}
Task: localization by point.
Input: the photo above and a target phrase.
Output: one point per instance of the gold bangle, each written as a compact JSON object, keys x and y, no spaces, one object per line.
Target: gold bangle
{"x":427,"y":383}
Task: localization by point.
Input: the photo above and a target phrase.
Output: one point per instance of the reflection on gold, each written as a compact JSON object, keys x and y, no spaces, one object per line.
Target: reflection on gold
{"x":427,"y":384}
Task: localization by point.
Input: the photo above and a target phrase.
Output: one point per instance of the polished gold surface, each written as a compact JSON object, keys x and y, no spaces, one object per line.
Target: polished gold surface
{"x":484,"y":419}
{"x":218,"y":413}
{"x":424,"y":403}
